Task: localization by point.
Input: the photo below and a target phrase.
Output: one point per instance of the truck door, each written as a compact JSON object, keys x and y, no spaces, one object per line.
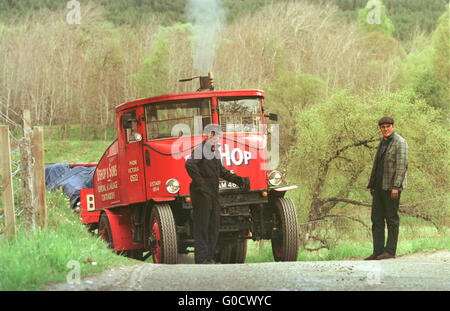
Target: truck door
{"x":131,"y":158}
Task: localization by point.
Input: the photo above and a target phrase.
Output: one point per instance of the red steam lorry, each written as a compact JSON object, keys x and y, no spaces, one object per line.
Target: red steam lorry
{"x":140,"y":202}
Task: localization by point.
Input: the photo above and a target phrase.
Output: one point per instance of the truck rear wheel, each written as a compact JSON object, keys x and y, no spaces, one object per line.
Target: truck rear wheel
{"x":163,"y":236}
{"x":105,"y":233}
{"x":285,"y":235}
{"x":104,"y":230}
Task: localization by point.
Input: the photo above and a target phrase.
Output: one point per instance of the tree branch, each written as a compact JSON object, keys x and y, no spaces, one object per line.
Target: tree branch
{"x":355,"y":144}
{"x":323,"y":171}
{"x":324,"y":244}
{"x":404,"y":209}
{"x":348,"y":217}
{"x":408,"y":210}
{"x":354,"y":202}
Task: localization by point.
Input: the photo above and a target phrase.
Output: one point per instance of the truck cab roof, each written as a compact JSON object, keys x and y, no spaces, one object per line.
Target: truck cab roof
{"x":170,"y":97}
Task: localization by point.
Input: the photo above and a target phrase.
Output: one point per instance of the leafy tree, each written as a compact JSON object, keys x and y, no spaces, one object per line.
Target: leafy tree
{"x":289,"y":94}
{"x":441,"y":57}
{"x":152,"y":78}
{"x":334,"y":138}
{"x":426,"y":70}
{"x":406,"y":15}
{"x":374,"y":17}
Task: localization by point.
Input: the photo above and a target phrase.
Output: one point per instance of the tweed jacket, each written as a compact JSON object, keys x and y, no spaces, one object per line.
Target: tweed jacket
{"x":395,"y":164}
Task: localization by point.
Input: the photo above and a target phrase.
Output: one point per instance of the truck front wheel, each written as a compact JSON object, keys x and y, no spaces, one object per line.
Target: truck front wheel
{"x":285,"y":233}
{"x":163,"y":235}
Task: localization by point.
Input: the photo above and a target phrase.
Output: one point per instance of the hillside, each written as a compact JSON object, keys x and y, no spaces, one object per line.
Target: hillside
{"x":408,"y":16}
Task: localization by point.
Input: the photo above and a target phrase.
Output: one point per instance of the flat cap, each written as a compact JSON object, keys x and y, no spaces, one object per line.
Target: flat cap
{"x":385,"y":120}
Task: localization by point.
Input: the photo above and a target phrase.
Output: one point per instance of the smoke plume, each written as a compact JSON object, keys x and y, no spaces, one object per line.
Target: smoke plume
{"x":207,"y":18}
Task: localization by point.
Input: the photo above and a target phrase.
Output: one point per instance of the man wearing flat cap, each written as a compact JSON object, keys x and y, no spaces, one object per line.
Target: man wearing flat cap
{"x":205,"y":168}
{"x":387,"y":180}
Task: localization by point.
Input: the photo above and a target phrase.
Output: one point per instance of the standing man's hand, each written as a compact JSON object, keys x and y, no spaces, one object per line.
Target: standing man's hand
{"x":394,"y":194}
{"x":371,"y":191}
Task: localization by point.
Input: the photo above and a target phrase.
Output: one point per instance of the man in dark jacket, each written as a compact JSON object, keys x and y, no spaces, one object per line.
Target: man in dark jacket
{"x":205,"y":167}
{"x":387,"y":180}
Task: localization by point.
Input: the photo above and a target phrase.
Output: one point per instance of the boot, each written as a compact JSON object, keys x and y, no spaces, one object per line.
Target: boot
{"x":385,"y":255}
{"x":372,"y":257}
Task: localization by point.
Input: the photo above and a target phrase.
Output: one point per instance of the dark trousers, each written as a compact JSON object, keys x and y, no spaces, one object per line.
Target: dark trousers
{"x":384,"y":210}
{"x":206,"y":216}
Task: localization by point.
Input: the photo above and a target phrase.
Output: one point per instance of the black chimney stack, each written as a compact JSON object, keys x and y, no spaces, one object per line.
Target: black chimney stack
{"x":206,"y":82}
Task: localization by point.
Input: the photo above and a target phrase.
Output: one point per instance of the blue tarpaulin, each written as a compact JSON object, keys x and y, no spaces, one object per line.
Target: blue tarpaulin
{"x":71,"y":180}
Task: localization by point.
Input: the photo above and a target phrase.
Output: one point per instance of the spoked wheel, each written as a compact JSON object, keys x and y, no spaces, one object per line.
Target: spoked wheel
{"x":104,"y":230}
{"x":285,"y":234}
{"x":235,"y":252}
{"x":163,"y":235}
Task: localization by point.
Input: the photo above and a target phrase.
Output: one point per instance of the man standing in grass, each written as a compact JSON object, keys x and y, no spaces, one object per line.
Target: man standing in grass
{"x":387,"y":180}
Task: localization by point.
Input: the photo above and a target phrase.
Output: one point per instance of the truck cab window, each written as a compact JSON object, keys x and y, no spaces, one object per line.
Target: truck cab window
{"x":162,"y":117}
{"x":240,"y":115}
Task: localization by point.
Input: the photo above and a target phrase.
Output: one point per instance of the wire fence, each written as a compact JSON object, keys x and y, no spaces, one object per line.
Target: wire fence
{"x":22,"y":155}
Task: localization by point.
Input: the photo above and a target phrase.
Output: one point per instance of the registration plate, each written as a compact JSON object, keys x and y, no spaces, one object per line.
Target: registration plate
{"x":224,"y":185}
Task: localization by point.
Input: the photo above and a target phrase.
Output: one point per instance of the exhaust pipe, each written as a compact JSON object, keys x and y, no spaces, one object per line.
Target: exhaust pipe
{"x":206,"y":82}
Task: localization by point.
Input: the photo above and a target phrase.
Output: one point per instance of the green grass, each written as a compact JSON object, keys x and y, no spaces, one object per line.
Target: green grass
{"x":256,"y":253}
{"x":74,"y":150}
{"x":427,"y":240}
{"x":54,"y":133}
{"x":28,"y":261}
{"x":418,"y":245}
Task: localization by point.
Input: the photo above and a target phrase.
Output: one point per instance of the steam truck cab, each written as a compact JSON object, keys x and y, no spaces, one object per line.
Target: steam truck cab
{"x":141,"y":203}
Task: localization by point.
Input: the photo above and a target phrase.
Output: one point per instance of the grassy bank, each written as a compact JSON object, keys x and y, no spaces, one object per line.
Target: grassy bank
{"x":28,"y":261}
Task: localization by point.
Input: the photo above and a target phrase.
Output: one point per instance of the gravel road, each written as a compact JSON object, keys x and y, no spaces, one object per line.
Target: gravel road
{"x":424,"y":271}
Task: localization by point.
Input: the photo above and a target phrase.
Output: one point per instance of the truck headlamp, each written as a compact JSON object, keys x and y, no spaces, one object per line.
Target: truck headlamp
{"x":172,"y":185}
{"x":274,"y":178}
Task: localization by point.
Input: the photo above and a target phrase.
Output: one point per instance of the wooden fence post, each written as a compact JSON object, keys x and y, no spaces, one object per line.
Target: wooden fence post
{"x":7,"y":196}
{"x":26,"y":163}
{"x":37,"y":151}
